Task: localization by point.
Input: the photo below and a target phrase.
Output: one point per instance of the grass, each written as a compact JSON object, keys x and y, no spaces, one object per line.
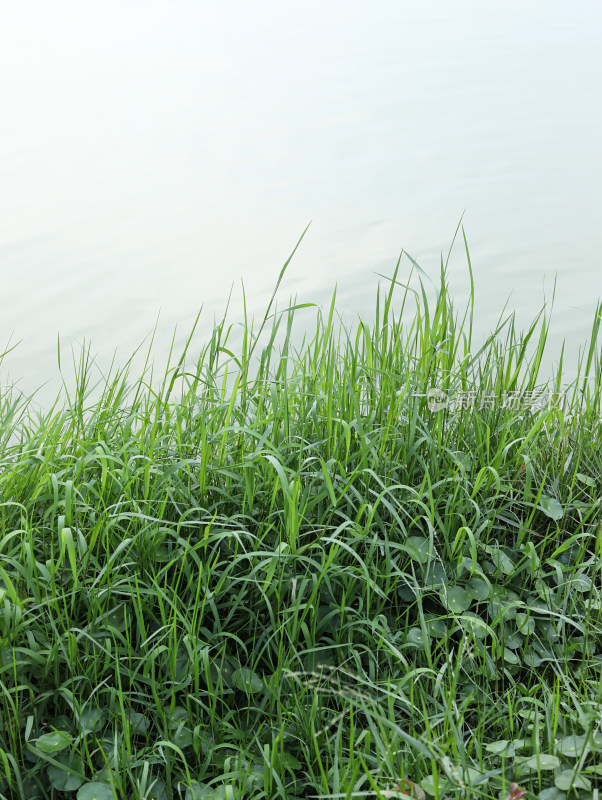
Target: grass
{"x":279,"y":572}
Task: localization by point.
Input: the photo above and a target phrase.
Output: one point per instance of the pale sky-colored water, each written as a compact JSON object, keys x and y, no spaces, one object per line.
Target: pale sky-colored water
{"x":153,"y":153}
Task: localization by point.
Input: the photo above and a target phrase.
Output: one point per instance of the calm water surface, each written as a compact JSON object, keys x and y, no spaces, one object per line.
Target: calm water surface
{"x":153,"y":154}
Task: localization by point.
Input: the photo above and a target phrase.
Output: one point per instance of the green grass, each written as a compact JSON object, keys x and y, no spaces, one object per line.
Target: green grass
{"x":277,"y":573}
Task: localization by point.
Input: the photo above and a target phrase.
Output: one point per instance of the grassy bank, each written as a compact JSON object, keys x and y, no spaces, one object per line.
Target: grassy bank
{"x":291,"y":572}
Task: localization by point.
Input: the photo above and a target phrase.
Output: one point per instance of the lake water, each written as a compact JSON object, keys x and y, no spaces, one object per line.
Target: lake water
{"x":152,"y":154}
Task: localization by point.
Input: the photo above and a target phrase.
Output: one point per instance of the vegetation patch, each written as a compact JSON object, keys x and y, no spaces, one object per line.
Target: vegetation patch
{"x":361,"y":563}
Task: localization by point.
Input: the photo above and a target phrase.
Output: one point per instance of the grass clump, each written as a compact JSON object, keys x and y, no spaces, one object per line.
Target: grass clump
{"x":303,"y":571}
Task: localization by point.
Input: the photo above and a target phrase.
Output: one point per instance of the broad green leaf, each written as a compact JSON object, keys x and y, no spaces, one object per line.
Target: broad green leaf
{"x":31,"y":790}
{"x":581,"y":582}
{"x":543,"y":761}
{"x":551,"y":508}
{"x":462,"y":459}
{"x":158,"y":790}
{"x":512,"y":638}
{"x":428,"y":784}
{"x":436,"y":575}
{"x":504,"y":603}
{"x":436,"y":627}
{"x":180,"y":734}
{"x":91,"y":720}
{"x":198,"y":791}
{"x":480,"y":588}
{"x":54,"y":741}
{"x":471,"y":775}
{"x":245,"y":678}
{"x":503,"y":746}
{"x":550,"y":632}
{"x":290,"y":762}
{"x":177,"y":716}
{"x":182,"y":737}
{"x":589,"y":481}
{"x":525,"y":624}
{"x":69,"y":776}
{"x":254,"y":776}
{"x":532,"y":658}
{"x":456,"y":599}
{"x":139,"y":723}
{"x":567,"y":779}
{"x":104,"y":774}
{"x":416,"y":636}
{"x":510,"y":657}
{"x":477,"y":625}
{"x":418,"y":548}
{"x":115,"y":619}
{"x":572,"y":745}
{"x":95,"y":791}
{"x":503,"y":562}
{"x":551,"y":794}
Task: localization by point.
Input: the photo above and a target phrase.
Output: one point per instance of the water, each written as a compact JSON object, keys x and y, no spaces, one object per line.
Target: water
{"x":154,"y":154}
